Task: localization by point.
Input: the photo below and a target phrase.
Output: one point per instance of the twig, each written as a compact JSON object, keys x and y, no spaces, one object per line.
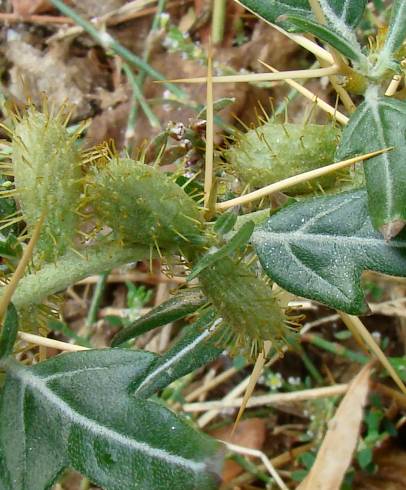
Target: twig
{"x":262,"y":456}
{"x":296,"y":179}
{"x":9,"y":289}
{"x":55,"y":344}
{"x":271,"y":399}
{"x":263,"y":77}
{"x":218,"y":20}
{"x":208,"y":169}
{"x":393,"y":86}
{"x":341,"y":118}
{"x":353,"y":322}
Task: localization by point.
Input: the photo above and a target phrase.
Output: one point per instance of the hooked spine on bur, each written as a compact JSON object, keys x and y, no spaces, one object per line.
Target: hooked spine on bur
{"x":274,"y":151}
{"x":47,"y":174}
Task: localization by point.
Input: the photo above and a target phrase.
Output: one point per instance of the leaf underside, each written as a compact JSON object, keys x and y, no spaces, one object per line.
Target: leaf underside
{"x":319,"y":247}
{"x":76,"y":411}
{"x":378,"y":123}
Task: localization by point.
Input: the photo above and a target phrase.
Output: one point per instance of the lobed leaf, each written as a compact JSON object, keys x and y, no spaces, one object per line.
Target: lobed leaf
{"x":195,"y":349}
{"x":347,"y":47}
{"x":380,"y":122}
{"x":394,"y":40}
{"x":93,"y":425}
{"x":183,"y":304}
{"x":319,"y":247}
{"x":270,"y":10}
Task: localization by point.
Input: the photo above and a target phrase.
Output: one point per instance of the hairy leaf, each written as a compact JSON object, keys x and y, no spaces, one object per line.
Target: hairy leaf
{"x":9,"y":331}
{"x":343,"y":14}
{"x":76,"y":411}
{"x":348,"y":48}
{"x":270,"y":10}
{"x":380,"y":122}
{"x":318,"y":249}
{"x":238,"y":240}
{"x":183,"y":304}
{"x":195,"y":349}
{"x":394,"y":39}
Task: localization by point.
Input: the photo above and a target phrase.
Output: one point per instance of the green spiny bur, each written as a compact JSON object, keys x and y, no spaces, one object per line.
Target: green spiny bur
{"x":273,"y":152}
{"x":250,"y":311}
{"x":47,"y":179}
{"x":142,"y":205}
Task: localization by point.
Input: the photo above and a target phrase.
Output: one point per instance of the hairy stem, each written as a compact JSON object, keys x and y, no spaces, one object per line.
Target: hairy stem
{"x":71,"y":268}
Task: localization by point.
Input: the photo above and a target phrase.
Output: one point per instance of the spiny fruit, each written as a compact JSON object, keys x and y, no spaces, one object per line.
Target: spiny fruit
{"x":274,"y":151}
{"x":47,"y":175}
{"x":143,"y":205}
{"x":250,"y":311}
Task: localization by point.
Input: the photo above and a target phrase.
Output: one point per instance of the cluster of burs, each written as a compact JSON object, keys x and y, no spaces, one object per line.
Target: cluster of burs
{"x":132,"y":203}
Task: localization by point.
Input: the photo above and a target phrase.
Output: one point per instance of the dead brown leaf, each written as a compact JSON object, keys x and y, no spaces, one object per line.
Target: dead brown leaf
{"x":391,"y":474}
{"x":30,"y":7}
{"x":249,"y":433}
{"x":336,"y":450}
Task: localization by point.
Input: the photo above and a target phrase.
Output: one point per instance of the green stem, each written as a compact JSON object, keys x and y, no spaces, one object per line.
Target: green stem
{"x":218,"y":20}
{"x":335,"y":348}
{"x":96,"y":300}
{"x":71,"y":268}
{"x":109,"y":43}
{"x":138,"y":97}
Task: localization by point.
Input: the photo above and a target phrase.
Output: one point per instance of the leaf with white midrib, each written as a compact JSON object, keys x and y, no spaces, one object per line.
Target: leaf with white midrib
{"x":378,"y":123}
{"x":76,"y":411}
{"x":319,"y":247}
{"x":343,"y":16}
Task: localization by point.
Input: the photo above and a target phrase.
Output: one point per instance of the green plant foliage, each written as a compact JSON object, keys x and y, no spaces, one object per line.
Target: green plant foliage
{"x":270,"y":10}
{"x":380,"y":122}
{"x":343,"y":15}
{"x":142,"y":205}
{"x":249,"y":311}
{"x":348,"y":48}
{"x":9,"y":331}
{"x":394,"y":40}
{"x":318,"y":249}
{"x":176,"y":308}
{"x":196,"y":348}
{"x":109,"y":436}
{"x":47,"y":175}
{"x":275,"y":151}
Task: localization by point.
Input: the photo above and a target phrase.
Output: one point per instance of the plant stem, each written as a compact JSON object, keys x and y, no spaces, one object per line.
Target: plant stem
{"x":218,"y":21}
{"x":335,"y":348}
{"x":208,"y":168}
{"x":71,"y":268}
{"x":265,"y":77}
{"x":96,"y":300}
{"x":52,"y":343}
{"x":109,"y":43}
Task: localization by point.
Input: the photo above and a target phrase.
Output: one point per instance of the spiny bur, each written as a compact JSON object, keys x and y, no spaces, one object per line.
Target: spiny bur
{"x":250,"y":311}
{"x":47,"y":173}
{"x":142,"y":205}
{"x":274,"y":151}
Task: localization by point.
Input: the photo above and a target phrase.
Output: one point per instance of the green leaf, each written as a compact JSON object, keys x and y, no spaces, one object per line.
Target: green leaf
{"x":196,"y":348}
{"x":319,"y":247}
{"x":378,"y":123}
{"x":9,"y":331}
{"x":394,"y":40}
{"x":183,"y":304}
{"x":350,"y":49}
{"x":76,"y":411}
{"x":270,"y":10}
{"x":343,"y":14}
{"x":239,"y":239}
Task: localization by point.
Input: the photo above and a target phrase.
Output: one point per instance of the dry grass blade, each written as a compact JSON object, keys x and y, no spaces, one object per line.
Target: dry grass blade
{"x":353,"y":322}
{"x":256,"y":373}
{"x":53,"y":344}
{"x":336,"y":450}
{"x":263,"y":457}
{"x":296,"y":179}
